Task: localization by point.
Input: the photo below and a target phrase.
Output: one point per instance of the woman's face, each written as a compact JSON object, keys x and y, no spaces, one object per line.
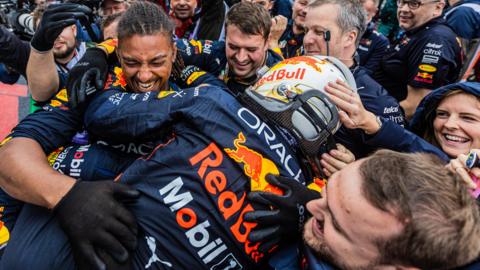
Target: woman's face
{"x":457,"y":124}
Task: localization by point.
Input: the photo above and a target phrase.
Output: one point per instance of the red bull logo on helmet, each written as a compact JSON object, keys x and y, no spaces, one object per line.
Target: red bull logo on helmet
{"x":255,"y":166}
{"x":300,"y":73}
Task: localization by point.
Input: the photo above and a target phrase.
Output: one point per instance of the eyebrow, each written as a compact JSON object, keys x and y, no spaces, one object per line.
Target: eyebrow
{"x":158,"y":57}
{"x":334,"y":220}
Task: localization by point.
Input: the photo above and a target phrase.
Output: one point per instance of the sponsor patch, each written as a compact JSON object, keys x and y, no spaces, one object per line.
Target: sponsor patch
{"x":430,"y":59}
{"x":427,"y":68}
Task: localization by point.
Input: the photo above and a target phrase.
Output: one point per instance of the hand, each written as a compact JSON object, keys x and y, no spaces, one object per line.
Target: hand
{"x":93,"y":218}
{"x":287,"y":215}
{"x":87,"y":76}
{"x":54,"y":20}
{"x":336,"y":159}
{"x":279,"y":24}
{"x":352,"y":112}
{"x":459,"y":167}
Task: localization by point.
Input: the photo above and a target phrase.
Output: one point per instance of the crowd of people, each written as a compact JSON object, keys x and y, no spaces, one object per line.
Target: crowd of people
{"x":253,"y":134}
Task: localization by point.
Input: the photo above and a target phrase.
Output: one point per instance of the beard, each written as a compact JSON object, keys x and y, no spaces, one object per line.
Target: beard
{"x":64,"y":53}
{"x":323,"y":252}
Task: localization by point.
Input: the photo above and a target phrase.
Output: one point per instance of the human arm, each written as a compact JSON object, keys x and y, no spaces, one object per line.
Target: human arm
{"x":36,"y":183}
{"x":43,"y":85}
{"x":13,"y":51}
{"x":378,"y":132}
{"x":414,"y":96}
{"x":26,"y":175}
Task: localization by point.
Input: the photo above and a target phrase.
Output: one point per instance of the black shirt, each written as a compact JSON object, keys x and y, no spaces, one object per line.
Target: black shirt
{"x":426,"y":57}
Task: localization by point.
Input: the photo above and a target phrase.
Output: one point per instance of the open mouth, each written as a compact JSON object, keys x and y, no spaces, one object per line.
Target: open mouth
{"x":317,"y":227}
{"x":145,"y":87}
{"x":455,"y":139}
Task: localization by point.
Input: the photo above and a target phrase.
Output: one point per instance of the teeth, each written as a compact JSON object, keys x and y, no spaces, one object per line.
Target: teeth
{"x":145,"y":85}
{"x":455,"y":138}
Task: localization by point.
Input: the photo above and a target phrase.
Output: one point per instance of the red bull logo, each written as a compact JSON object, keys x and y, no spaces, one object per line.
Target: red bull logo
{"x":119,"y":78}
{"x":256,"y":167}
{"x":282,"y":74}
{"x":425,"y":75}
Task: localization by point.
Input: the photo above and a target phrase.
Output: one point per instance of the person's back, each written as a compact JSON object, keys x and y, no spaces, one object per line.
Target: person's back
{"x":193,"y":184}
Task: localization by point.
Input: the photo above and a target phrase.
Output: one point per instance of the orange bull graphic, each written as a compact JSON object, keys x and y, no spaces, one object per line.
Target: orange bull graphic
{"x":311,"y":62}
{"x":255,"y":165}
{"x":425,"y":75}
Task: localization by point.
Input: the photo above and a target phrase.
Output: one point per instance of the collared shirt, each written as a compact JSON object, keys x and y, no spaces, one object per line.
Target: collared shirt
{"x":426,"y":57}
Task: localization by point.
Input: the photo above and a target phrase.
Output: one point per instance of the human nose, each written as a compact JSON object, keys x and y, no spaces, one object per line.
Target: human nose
{"x":452,"y":122}
{"x":144,"y":74}
{"x":307,"y":39}
{"x":241,"y":55}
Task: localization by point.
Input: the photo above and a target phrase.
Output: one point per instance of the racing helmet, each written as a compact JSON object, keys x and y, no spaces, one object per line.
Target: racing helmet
{"x":291,"y":95}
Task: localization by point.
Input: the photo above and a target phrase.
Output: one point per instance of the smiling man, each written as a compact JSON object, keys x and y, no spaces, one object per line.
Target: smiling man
{"x":243,"y":53}
{"x":425,"y":58}
{"x":375,"y":214}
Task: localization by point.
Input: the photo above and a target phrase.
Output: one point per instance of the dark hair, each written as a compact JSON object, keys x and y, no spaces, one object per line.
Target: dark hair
{"x":108,"y":20}
{"x":441,"y":219}
{"x":250,"y":18}
{"x":144,"y":18}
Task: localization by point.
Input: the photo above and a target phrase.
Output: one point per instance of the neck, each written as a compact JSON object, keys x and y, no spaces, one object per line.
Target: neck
{"x":66,"y":59}
{"x":347,"y":58}
{"x":297,"y":29}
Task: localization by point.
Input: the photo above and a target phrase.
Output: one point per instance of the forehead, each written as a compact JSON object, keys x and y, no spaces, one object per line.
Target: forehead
{"x":234,"y":36}
{"x":145,"y":46}
{"x":363,"y":222}
{"x":174,"y":2}
{"x":323,"y":16}
{"x":461,"y":102}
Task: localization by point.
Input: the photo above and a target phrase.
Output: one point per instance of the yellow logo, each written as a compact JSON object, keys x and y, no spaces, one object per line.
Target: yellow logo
{"x":165,"y":93}
{"x":194,"y":76}
{"x":427,"y":68}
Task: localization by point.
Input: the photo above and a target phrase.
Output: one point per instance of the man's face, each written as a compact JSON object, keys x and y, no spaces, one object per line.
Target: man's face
{"x":111,"y":30}
{"x":267,"y":4}
{"x":146,"y":61}
{"x":345,"y":226}
{"x":370,"y":7}
{"x":319,"y":20}
{"x":299,"y":9}
{"x":64,"y":45}
{"x":245,"y":53}
{"x":110,"y":7}
{"x":183,"y":9}
{"x":409,"y":18}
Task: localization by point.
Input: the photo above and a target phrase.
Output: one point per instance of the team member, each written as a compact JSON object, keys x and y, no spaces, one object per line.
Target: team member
{"x":463,"y":16}
{"x":373,"y":45}
{"x":236,"y":61}
{"x":146,"y":59}
{"x":373,"y":215}
{"x":426,"y":57}
{"x":244,"y":52}
{"x":54,"y":48}
{"x":335,"y":27}
{"x":110,"y":7}
{"x":290,"y":42}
